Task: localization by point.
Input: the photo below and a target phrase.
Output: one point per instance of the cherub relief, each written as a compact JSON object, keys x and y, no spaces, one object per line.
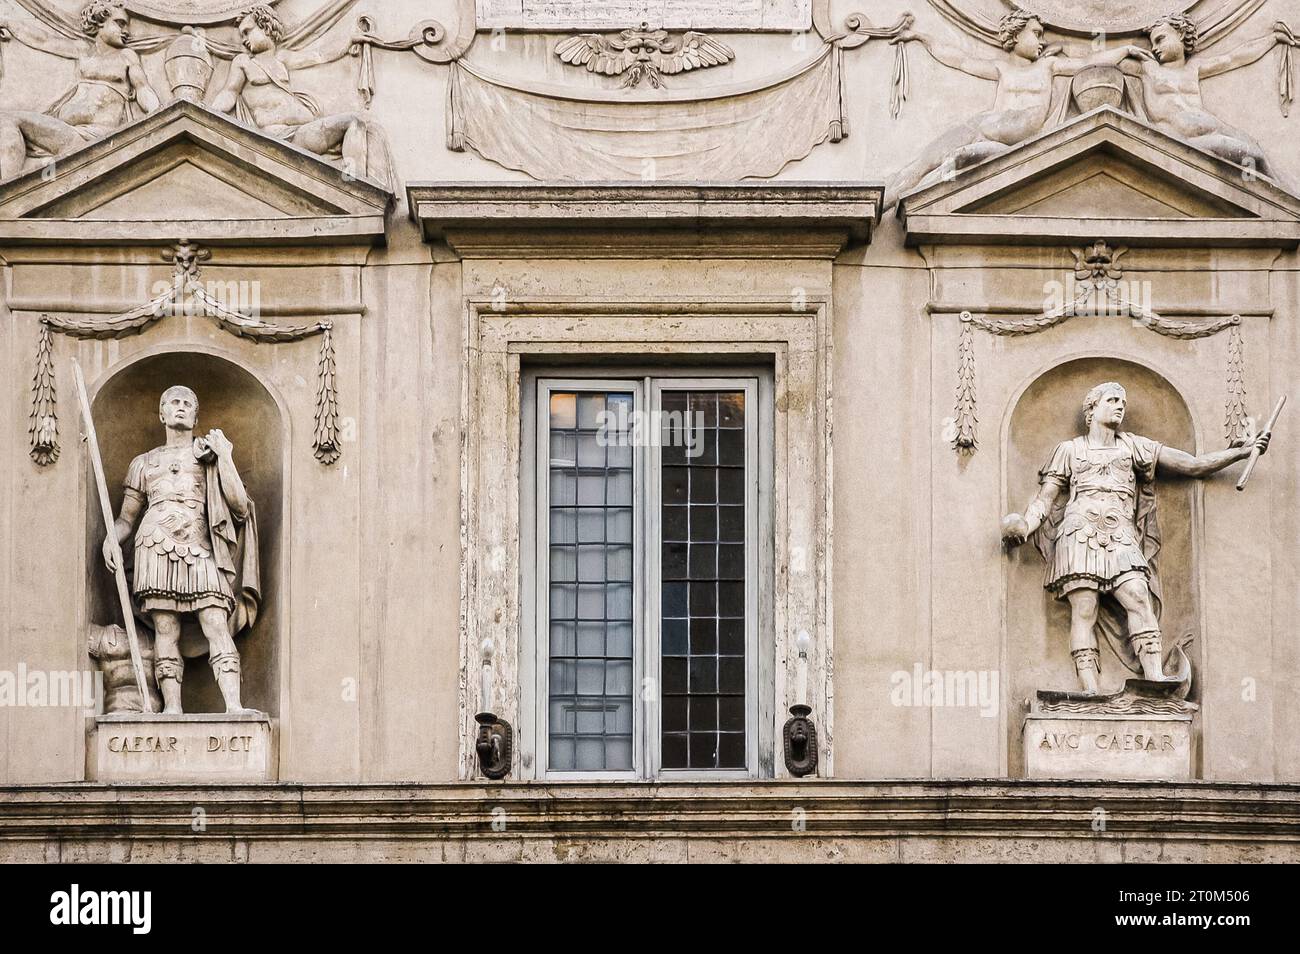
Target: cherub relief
{"x":1170,"y":79}
{"x":1022,"y":102}
{"x":259,"y":91}
{"x":110,"y":82}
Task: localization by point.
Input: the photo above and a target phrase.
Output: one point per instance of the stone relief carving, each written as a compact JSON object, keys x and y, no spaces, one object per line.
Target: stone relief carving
{"x":1169,"y":79}
{"x":110,"y":87}
{"x":777,"y":15}
{"x":186,"y":296}
{"x":1090,"y":16}
{"x":643,"y":53}
{"x":1099,"y":291}
{"x":1160,"y":85}
{"x":1022,"y":103}
{"x":259,"y":91}
{"x":108,"y":647}
{"x":195,"y":547}
{"x":188,"y":11}
{"x":746,"y":130}
{"x":1094,"y":521}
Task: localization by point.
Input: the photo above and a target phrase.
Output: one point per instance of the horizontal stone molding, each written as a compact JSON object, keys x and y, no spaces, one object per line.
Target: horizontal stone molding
{"x":488,"y":218}
{"x":848,"y":820}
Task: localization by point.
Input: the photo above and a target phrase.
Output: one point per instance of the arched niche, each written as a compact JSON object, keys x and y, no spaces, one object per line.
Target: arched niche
{"x":125,"y":406}
{"x":1049,"y":411}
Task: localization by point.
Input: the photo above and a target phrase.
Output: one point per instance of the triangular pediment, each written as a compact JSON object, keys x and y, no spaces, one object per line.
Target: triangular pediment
{"x":1103,"y":173}
{"x":185,"y":171}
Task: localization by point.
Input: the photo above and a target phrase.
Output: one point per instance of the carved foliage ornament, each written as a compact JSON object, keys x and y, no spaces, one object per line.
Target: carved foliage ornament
{"x":643,"y":53}
{"x":187,"y":296}
{"x":1099,"y":291}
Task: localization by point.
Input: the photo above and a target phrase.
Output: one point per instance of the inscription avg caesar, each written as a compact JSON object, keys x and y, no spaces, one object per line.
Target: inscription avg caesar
{"x":1095,"y":520}
{"x":195,"y":549}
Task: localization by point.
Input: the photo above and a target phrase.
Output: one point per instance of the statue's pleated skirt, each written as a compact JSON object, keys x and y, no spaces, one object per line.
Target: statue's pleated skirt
{"x":179,"y":584}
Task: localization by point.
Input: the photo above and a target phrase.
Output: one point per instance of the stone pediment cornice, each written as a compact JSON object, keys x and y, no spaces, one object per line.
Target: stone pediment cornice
{"x":620,"y":219}
{"x":187,"y":171}
{"x":1162,"y":191}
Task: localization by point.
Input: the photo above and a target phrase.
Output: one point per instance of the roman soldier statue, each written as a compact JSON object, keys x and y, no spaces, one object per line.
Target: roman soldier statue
{"x":195,"y":549}
{"x":1095,"y":520}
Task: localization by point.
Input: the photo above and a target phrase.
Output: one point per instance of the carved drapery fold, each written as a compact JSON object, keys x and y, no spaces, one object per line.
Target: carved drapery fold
{"x":746,"y":130}
{"x":186,"y":297}
{"x":1286,"y":68}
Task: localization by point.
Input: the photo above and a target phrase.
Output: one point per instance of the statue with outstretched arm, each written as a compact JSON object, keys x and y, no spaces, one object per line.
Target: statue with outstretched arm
{"x":1094,"y":516}
{"x":1022,"y":102}
{"x":260,"y":93}
{"x":1170,"y":79}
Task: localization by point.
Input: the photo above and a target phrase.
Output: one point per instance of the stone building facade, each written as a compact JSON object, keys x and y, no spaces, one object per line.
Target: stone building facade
{"x":612,"y":380}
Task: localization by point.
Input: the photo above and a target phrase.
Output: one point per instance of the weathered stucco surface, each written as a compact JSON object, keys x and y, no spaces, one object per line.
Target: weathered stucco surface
{"x":386,"y":568}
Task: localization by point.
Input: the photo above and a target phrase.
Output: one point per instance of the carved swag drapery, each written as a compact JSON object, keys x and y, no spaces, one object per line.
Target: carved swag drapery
{"x":187,"y":297}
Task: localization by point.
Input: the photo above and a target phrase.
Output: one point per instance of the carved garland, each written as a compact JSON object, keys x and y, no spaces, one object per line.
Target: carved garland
{"x":185,"y":297}
{"x":1099,"y":293}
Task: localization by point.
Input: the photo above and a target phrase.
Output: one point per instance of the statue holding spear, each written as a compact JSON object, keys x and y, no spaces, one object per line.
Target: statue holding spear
{"x":195,"y":549}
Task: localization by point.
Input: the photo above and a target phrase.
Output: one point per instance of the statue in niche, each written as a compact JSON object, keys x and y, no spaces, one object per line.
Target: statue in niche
{"x":1171,"y":91}
{"x":110,"y":82}
{"x":1022,"y":103}
{"x":1094,"y":517}
{"x":195,"y":549}
{"x":259,"y":92}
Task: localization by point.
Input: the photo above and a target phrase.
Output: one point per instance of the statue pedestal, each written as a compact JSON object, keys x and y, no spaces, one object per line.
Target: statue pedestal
{"x":194,"y":747}
{"x":1143,"y":732}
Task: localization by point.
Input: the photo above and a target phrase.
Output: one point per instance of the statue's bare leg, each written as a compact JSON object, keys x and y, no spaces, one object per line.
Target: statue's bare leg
{"x":1083,"y":638}
{"x":1239,"y":148}
{"x":1143,"y":627}
{"x":330,"y":134}
{"x":168,"y":667}
{"x":932,"y":160}
{"x":223,"y":656}
{"x":978,"y":152}
{"x":20,"y":131}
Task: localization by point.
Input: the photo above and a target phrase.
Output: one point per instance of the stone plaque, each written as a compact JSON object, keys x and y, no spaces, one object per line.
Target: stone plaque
{"x":189,"y":11}
{"x":1108,"y":16}
{"x":194,"y":747}
{"x":659,"y":14}
{"x":1152,"y":747}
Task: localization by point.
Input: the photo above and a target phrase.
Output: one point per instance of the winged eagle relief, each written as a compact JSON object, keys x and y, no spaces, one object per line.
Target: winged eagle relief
{"x":643,"y":54}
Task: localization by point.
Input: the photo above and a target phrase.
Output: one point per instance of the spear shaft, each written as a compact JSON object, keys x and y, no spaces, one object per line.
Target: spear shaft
{"x":119,"y":572}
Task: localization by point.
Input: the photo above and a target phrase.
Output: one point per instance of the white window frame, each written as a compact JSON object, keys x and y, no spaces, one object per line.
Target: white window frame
{"x":647,"y":387}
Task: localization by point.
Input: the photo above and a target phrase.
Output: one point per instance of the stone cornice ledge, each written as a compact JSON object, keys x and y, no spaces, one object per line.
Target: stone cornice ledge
{"x":675,"y":821}
{"x":629,"y":219}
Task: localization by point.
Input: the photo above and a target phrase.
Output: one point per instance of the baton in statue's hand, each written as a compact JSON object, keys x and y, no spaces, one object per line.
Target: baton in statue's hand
{"x":1254,"y":454}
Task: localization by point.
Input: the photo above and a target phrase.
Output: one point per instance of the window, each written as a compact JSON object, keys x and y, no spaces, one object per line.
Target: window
{"x":644,"y":615}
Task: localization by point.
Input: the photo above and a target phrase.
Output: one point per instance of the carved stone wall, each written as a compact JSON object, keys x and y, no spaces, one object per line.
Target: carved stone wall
{"x":909,"y":430}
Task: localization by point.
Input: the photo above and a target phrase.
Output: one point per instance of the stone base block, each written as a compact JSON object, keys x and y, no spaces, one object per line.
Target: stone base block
{"x":1070,"y":745}
{"x":198,"y":747}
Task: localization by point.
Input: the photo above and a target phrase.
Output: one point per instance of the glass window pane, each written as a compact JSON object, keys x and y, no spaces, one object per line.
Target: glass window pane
{"x":702,"y":561}
{"x":591,"y":561}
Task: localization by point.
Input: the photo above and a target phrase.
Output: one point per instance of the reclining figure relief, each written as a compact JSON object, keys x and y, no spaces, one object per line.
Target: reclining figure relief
{"x":110,"y":88}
